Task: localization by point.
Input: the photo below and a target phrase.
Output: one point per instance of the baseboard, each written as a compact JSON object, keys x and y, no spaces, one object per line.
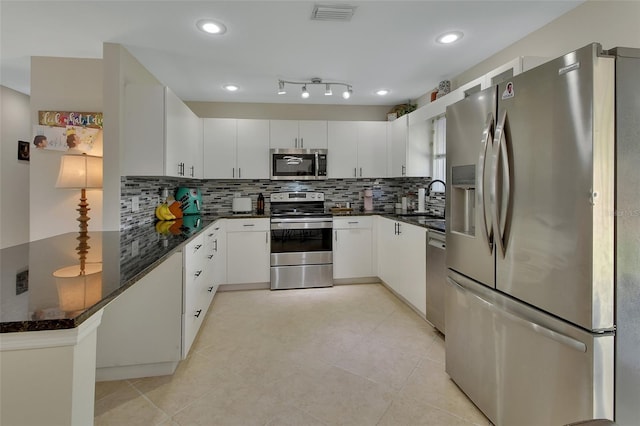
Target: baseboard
{"x":360,"y":280}
{"x":413,"y":308}
{"x":105,"y":374}
{"x":248,"y":286}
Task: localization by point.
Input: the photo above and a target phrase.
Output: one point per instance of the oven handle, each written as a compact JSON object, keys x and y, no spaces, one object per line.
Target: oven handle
{"x":302,"y":219}
{"x":302,"y":225}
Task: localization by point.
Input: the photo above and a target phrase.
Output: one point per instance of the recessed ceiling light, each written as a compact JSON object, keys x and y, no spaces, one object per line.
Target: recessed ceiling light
{"x":450,"y":37}
{"x":382,"y":92}
{"x":231,"y":87}
{"x":211,"y":27}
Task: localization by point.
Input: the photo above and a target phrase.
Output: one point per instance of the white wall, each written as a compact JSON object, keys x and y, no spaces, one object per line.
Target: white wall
{"x":61,"y":84}
{"x":14,"y":174}
{"x":289,"y":111}
{"x":120,"y":68}
{"x":611,"y":23}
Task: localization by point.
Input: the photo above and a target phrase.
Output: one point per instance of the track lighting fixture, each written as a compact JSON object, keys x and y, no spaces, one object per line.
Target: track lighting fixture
{"x":281,"y":90}
{"x":305,"y":93}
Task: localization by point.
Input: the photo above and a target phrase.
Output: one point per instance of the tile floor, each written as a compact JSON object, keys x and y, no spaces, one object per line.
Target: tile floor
{"x":346,"y":355}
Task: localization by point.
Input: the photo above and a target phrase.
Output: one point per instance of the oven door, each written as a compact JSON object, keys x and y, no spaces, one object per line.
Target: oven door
{"x":297,"y":164}
{"x":301,"y":241}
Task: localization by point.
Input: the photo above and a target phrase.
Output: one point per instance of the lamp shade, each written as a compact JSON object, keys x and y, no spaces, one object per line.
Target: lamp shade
{"x":78,"y":287}
{"x":80,"y":171}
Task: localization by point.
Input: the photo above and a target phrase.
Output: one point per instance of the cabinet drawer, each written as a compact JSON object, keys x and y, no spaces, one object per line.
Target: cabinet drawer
{"x":353,"y":222}
{"x":247,"y":225}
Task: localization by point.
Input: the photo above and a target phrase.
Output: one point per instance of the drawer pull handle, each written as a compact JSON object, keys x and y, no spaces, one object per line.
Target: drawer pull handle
{"x":353,"y":223}
{"x":249,"y":224}
{"x":197,"y":247}
{"x":210,"y":289}
{"x":197,"y":274}
{"x":198,"y":312}
{"x":210,"y":257}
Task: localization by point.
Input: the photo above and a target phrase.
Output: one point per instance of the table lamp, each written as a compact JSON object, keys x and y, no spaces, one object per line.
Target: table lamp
{"x":80,"y":172}
{"x":80,"y":286}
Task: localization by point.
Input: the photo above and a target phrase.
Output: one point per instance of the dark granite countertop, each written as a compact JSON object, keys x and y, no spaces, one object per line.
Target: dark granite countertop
{"x":32,"y":298}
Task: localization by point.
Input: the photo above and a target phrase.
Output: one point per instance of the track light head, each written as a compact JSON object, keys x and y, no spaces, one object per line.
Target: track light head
{"x":305,"y":93}
{"x":281,"y":90}
{"x":327,"y":91}
{"x":347,"y":93}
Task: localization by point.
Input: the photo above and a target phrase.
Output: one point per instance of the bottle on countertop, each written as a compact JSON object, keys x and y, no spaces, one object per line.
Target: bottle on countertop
{"x":260,"y":204}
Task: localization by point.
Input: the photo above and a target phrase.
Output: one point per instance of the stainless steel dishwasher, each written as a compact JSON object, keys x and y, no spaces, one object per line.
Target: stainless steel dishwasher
{"x":436,"y":278}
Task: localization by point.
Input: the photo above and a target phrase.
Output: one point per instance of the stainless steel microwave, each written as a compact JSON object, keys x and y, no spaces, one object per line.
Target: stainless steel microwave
{"x":298,"y":164}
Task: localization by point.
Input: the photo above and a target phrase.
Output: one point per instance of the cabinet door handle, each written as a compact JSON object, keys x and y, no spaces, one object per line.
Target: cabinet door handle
{"x":295,"y":142}
{"x":197,"y":273}
{"x":210,"y":235}
{"x":301,"y":142}
{"x":215,"y":245}
{"x":210,"y":257}
{"x":239,"y":173}
{"x":353,"y":223}
{"x":198,"y":312}
{"x":233,"y":172}
{"x":249,"y":224}
{"x":355,"y":172}
{"x":210,"y":289}
{"x":197,"y":247}
{"x":266,"y":237}
{"x":404,"y":170}
{"x":360,"y":171}
{"x":399,"y":229}
{"x":193,"y":171}
{"x":336,"y":234}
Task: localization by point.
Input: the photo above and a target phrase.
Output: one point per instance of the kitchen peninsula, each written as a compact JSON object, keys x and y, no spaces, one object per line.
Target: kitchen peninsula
{"x":49,"y":352}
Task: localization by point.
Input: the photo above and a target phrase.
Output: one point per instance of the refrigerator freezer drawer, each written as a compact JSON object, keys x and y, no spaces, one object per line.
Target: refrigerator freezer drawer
{"x":521,"y":366}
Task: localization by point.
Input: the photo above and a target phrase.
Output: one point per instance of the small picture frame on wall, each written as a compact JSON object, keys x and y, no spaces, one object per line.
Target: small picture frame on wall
{"x":23,"y":151}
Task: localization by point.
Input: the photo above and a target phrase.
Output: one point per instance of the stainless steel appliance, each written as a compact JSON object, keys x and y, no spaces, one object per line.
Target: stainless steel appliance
{"x":436,"y":278}
{"x":298,"y":164}
{"x":542,"y":242}
{"x":301,"y":244}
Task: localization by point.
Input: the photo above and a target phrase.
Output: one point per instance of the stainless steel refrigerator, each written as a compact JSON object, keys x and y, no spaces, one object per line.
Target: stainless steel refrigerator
{"x":543,"y":242}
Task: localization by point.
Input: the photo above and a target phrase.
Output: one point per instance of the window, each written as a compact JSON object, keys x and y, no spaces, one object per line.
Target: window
{"x":439,"y":151}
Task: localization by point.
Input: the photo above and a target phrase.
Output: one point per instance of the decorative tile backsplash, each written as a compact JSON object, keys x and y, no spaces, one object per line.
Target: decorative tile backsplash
{"x":217,"y":194}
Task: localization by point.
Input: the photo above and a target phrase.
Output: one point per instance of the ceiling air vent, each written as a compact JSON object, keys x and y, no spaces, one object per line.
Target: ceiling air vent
{"x":332,"y":13}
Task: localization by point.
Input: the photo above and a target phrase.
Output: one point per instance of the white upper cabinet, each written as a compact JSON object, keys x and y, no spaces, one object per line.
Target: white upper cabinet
{"x":298,"y":134}
{"x":253,"y":149}
{"x":236,"y":148}
{"x":372,"y":149}
{"x":357,"y":149}
{"x":397,"y":151}
{"x":162,"y":136}
{"x":342,"y":156}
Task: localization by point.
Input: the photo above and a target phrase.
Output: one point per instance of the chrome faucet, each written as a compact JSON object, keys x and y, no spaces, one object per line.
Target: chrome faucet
{"x":428,"y":192}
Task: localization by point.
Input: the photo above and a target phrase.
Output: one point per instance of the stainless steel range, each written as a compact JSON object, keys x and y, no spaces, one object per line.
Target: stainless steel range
{"x":301,"y":244}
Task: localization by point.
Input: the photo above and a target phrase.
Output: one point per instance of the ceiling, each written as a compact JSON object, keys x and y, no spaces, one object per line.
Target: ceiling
{"x":386,"y":44}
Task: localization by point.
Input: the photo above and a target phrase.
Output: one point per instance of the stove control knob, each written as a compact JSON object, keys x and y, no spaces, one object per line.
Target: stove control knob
{"x":313,"y":195}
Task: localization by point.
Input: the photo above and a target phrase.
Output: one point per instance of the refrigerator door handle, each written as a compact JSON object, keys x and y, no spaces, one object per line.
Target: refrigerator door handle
{"x":537,"y":328}
{"x":487,"y":138}
{"x":500,"y":156}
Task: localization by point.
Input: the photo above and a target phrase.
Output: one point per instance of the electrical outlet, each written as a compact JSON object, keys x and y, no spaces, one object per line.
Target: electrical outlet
{"x":135,"y":249}
{"x":135,"y":203}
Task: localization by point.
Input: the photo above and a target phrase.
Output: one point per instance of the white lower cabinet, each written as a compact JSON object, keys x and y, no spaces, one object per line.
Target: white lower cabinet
{"x":216,"y":246}
{"x":195,"y":298}
{"x":140,"y":334}
{"x":353,"y":243}
{"x":402,"y":260}
{"x":248,"y":251}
